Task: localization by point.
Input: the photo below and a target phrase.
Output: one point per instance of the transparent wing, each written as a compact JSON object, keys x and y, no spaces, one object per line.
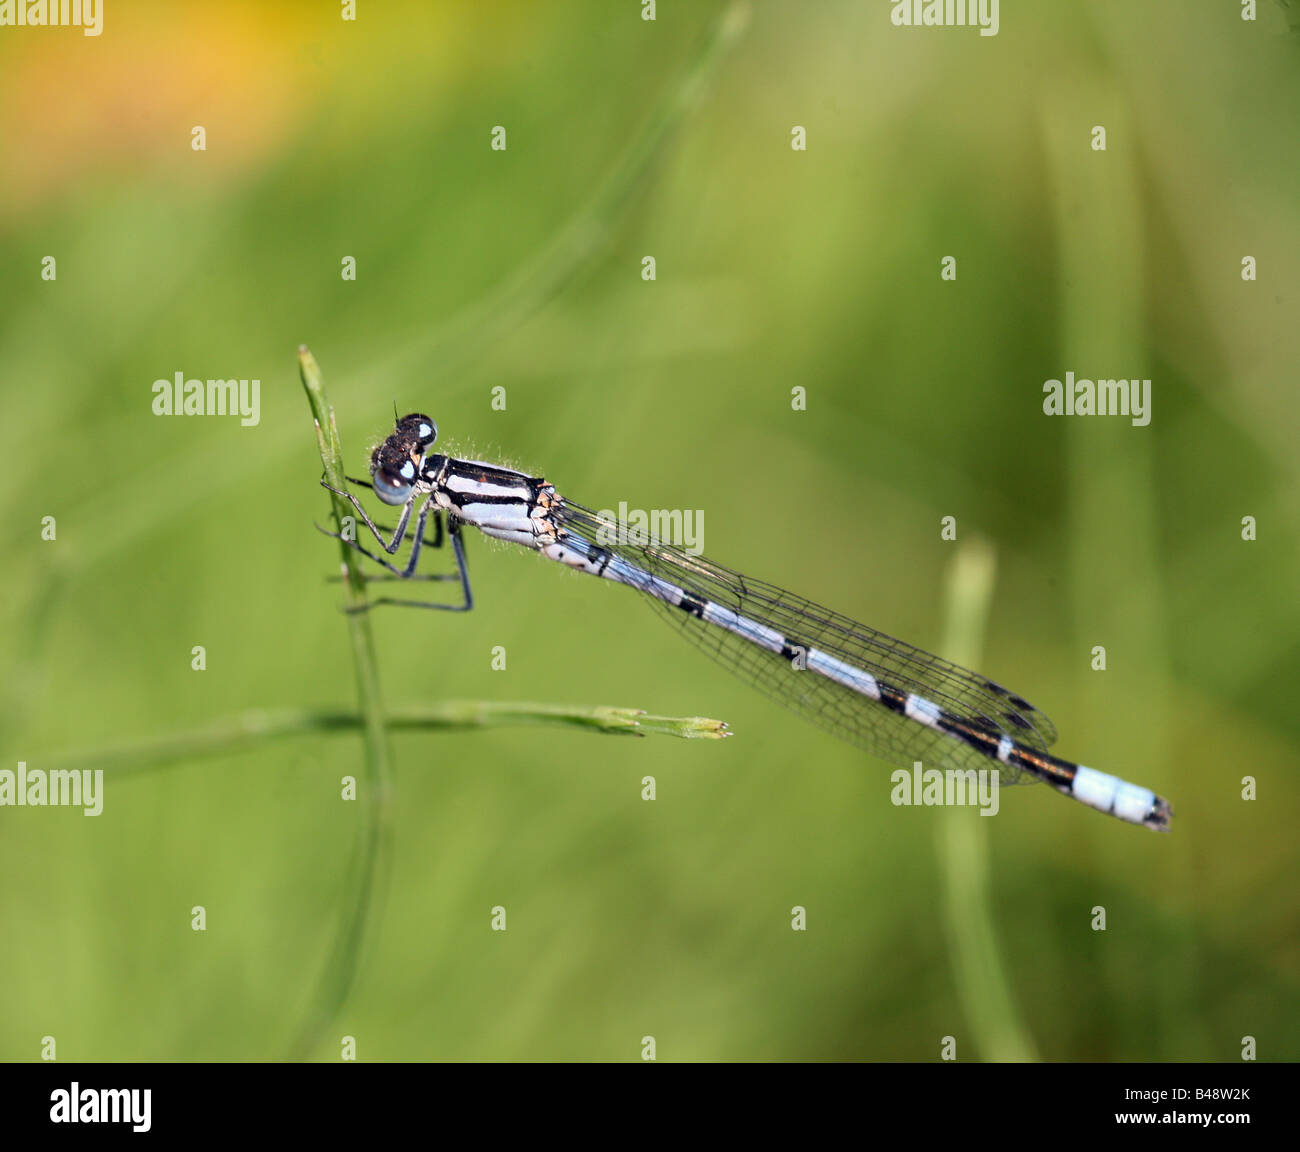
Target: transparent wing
{"x":871,"y":725}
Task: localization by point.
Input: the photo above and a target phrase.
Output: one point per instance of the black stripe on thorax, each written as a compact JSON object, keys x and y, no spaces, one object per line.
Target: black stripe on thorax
{"x":487,"y":473}
{"x":461,"y":498}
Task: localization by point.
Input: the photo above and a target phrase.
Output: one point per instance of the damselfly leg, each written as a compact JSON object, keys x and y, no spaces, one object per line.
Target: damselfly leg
{"x":399,"y":533}
{"x":436,"y":542}
{"x":462,"y":570}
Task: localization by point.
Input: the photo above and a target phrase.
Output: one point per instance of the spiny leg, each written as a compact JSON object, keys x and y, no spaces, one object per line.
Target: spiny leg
{"x":399,"y":533}
{"x":437,"y":519}
{"x":357,"y":547}
{"x":458,"y":547}
{"x":406,"y":573}
{"x":436,"y":542}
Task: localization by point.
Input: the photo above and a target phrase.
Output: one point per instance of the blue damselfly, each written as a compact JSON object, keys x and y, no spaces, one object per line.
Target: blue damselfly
{"x":892,"y":699}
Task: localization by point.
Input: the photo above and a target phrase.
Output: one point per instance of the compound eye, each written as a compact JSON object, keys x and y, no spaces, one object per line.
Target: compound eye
{"x":394,"y":474}
{"x":421,"y":427}
{"x":391,"y":489}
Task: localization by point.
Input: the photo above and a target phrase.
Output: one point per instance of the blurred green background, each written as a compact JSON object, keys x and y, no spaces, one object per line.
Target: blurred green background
{"x":775,"y":268}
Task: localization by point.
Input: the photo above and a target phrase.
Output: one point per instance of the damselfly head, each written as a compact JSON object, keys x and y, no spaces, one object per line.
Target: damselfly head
{"x":418,"y":428}
{"x":395,"y":465}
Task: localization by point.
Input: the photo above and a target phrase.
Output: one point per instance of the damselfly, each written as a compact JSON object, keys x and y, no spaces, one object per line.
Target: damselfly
{"x":890,"y":698}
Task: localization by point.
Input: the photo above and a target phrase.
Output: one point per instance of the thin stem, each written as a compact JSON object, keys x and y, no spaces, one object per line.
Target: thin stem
{"x":982,"y":983}
{"x":374,"y":843}
{"x":255,"y":728}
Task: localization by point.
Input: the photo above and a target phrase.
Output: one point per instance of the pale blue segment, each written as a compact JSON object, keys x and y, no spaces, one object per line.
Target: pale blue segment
{"x":617,"y":569}
{"x":1133,"y":803}
{"x":923,"y":710}
{"x":1111,"y":794}
{"x":764,"y":637}
{"x":525,"y":536}
{"x":842,"y":673}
